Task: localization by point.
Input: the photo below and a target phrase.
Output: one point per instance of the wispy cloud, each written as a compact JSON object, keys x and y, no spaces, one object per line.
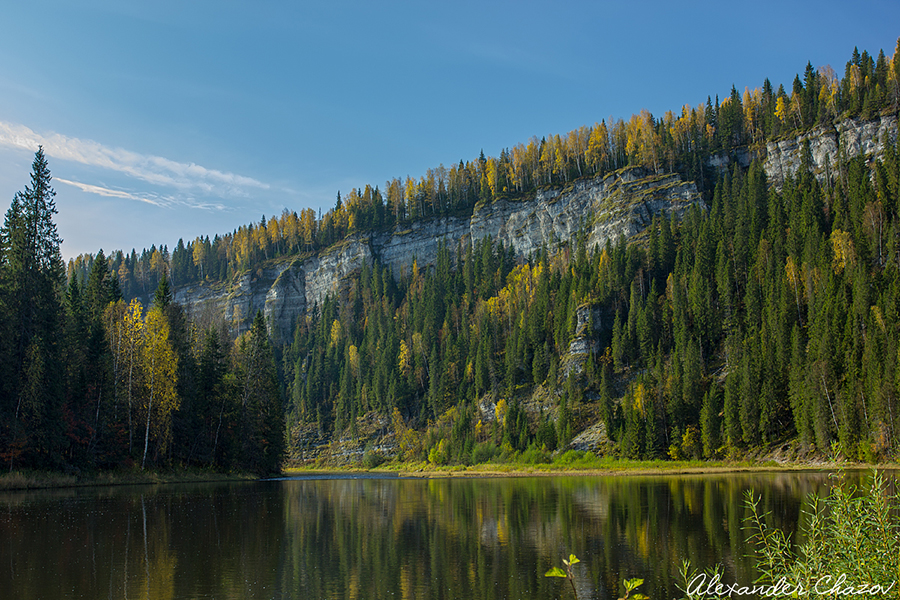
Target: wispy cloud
{"x":186,"y":178}
{"x":102,"y":191}
{"x":163,"y":201}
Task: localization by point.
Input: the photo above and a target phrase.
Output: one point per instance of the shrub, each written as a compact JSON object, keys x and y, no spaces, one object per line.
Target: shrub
{"x":534,"y":456}
{"x":570,"y":457}
{"x":438,"y":453}
{"x":371,"y":457}
{"x":849,"y":533}
{"x":483,"y":452}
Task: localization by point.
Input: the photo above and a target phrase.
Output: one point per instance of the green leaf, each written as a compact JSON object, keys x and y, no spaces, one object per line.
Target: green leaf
{"x":631,"y":584}
{"x":573,"y":560}
{"x":555,"y":572}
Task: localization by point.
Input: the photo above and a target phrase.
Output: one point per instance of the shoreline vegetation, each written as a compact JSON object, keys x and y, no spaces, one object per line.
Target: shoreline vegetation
{"x":38,"y":480}
{"x":583,"y":467}
{"x":595,"y":467}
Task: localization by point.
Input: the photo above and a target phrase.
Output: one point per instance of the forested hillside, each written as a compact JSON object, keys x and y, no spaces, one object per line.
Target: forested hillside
{"x":767,"y":316}
{"x":680,"y":141}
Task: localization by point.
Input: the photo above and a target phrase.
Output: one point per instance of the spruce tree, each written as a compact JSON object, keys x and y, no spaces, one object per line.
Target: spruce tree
{"x":32,"y":287}
{"x":261,"y":414}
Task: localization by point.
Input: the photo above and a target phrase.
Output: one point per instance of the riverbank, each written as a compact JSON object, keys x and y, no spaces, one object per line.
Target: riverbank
{"x":35,"y":480}
{"x":586,"y":466}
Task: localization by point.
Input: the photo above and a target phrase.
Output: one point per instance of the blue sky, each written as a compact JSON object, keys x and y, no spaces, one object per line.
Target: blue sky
{"x":172,"y":119}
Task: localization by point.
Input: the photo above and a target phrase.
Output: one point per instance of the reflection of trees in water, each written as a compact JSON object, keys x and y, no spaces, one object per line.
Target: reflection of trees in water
{"x":200,"y":541}
{"x":469,"y":536}
{"x":383,"y":538}
{"x":645,"y":527}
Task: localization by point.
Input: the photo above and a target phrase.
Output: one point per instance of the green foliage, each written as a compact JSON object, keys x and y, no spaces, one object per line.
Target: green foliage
{"x":852,"y":541}
{"x":534,"y":455}
{"x":567,"y":574}
{"x":261,"y":412}
{"x":483,"y":452}
{"x":571,"y":457}
{"x":372,"y":458}
{"x":630,"y":586}
{"x":31,"y":326}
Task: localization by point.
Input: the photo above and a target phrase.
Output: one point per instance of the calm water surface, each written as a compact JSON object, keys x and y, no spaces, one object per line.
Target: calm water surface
{"x":384,"y":538}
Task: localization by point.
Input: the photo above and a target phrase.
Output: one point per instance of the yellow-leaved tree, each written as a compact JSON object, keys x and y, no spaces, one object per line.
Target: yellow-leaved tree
{"x":160,"y":374}
{"x":125,"y":332}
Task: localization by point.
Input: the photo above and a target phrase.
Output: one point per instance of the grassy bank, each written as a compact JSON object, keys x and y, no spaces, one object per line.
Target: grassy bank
{"x":569,"y":463}
{"x":33,"y":480}
{"x":577,"y":463}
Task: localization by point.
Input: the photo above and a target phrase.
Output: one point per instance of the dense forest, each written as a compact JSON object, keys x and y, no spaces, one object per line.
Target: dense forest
{"x":770,"y":315}
{"x":90,"y":381}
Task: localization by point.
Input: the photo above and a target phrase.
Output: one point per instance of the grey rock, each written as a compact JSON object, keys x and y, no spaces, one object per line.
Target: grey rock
{"x":620,"y":204}
{"x":851,"y":136}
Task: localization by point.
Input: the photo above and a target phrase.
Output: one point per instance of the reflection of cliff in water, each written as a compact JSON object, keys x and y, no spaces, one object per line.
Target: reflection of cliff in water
{"x":456,"y":538}
{"x":448,"y":532}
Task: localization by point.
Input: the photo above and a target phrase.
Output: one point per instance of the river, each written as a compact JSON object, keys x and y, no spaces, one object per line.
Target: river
{"x":387,"y":537}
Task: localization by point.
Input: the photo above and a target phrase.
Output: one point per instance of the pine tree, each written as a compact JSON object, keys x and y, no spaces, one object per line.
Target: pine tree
{"x":261,"y":413}
{"x":710,"y":426}
{"x":31,"y":292}
{"x":163,"y":296}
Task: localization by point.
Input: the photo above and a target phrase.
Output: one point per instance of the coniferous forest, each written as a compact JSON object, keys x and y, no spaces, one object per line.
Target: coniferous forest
{"x":770,"y":315}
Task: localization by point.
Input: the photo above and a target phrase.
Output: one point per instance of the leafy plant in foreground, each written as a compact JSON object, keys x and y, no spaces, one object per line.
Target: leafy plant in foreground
{"x":630,"y":584}
{"x":852,"y":543}
{"x":567,"y":574}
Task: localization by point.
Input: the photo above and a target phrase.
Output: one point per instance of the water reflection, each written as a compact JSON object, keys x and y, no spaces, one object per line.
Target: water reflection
{"x":384,"y":538}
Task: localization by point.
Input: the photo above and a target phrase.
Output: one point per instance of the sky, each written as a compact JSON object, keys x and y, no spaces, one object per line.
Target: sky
{"x":182,"y":118}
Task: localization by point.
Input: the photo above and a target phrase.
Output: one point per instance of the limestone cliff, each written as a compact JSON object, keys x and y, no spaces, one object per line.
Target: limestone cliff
{"x":853,"y":137}
{"x":827,"y":144}
{"x":621,"y":203}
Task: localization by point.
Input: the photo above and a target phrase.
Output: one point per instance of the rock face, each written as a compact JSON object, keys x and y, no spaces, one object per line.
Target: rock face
{"x":621,"y":203}
{"x":849,"y":138}
{"x":589,"y":320}
{"x":782,"y":159}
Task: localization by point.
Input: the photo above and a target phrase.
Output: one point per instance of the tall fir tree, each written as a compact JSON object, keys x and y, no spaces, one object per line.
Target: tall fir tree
{"x":32,"y":288}
{"x":262,"y":418}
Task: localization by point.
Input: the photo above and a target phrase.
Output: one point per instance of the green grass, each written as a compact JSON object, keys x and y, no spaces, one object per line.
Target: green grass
{"x":34,"y":480}
{"x":536,"y":462}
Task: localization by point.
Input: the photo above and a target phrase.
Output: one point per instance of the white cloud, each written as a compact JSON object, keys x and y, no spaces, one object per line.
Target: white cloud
{"x":102,"y":191}
{"x":155,"y":170}
{"x":163,"y":201}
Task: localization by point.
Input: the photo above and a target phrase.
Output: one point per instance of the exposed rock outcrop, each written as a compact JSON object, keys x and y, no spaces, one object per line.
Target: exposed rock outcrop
{"x":588,"y":322}
{"x":827,"y":145}
{"x":621,"y":203}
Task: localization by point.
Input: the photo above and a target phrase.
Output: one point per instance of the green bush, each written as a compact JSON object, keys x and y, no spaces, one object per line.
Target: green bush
{"x":483,"y":452}
{"x":850,"y":534}
{"x":371,"y":457}
{"x":535,"y":456}
{"x":852,"y":548}
{"x":569,"y":457}
{"x":438,"y":453}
